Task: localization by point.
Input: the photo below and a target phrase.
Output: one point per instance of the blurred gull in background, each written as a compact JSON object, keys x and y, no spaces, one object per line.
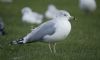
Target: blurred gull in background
{"x":6,"y":1}
{"x":31,"y":17}
{"x":87,"y":6}
{"x":1,"y":27}
{"x":51,"y":31}
{"x":51,"y":12}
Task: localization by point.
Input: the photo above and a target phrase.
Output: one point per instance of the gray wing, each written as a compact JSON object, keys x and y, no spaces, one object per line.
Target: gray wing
{"x":46,"y":29}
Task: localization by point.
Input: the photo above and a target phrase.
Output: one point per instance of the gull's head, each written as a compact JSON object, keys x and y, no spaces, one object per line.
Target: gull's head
{"x":26,"y":10}
{"x":63,"y":13}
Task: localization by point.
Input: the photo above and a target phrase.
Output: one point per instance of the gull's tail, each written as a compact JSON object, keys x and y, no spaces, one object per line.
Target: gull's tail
{"x":20,"y":41}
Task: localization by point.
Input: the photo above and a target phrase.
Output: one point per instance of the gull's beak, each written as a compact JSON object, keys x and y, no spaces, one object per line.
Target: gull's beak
{"x":72,"y":18}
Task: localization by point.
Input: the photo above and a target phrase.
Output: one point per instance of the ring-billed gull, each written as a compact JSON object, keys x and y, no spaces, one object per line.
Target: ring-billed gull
{"x":31,"y":17}
{"x":51,"y":31}
{"x":87,"y":5}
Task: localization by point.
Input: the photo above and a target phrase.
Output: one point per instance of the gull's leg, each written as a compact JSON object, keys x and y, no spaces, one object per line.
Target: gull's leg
{"x":50,"y":47}
{"x":54,"y":47}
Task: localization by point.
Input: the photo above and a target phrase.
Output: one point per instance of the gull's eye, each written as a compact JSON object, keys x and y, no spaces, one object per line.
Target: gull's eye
{"x":65,"y":15}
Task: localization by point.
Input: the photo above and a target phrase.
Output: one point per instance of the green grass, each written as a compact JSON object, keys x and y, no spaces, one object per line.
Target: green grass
{"x":83,"y":43}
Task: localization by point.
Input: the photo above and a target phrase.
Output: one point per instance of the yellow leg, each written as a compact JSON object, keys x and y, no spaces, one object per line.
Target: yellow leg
{"x":54,"y":47}
{"x":50,"y":47}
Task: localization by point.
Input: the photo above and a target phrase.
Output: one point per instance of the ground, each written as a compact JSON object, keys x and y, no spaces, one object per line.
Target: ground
{"x":83,"y":43}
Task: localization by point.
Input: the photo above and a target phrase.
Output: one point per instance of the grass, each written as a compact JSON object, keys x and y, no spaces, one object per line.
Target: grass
{"x":83,"y":43}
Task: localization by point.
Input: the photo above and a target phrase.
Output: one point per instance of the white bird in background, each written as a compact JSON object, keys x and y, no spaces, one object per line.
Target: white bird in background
{"x":87,"y":5}
{"x":51,"y":12}
{"x":51,"y":31}
{"x":7,"y":1}
{"x":31,"y":17}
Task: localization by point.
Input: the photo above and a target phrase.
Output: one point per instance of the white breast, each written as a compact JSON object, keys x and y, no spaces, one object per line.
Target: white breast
{"x":62,"y":30}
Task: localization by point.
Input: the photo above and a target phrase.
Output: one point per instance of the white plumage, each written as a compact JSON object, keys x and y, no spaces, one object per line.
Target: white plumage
{"x":31,"y":17}
{"x":87,"y":5}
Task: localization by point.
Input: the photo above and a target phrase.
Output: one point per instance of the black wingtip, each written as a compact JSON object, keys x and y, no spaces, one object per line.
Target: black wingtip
{"x":15,"y":42}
